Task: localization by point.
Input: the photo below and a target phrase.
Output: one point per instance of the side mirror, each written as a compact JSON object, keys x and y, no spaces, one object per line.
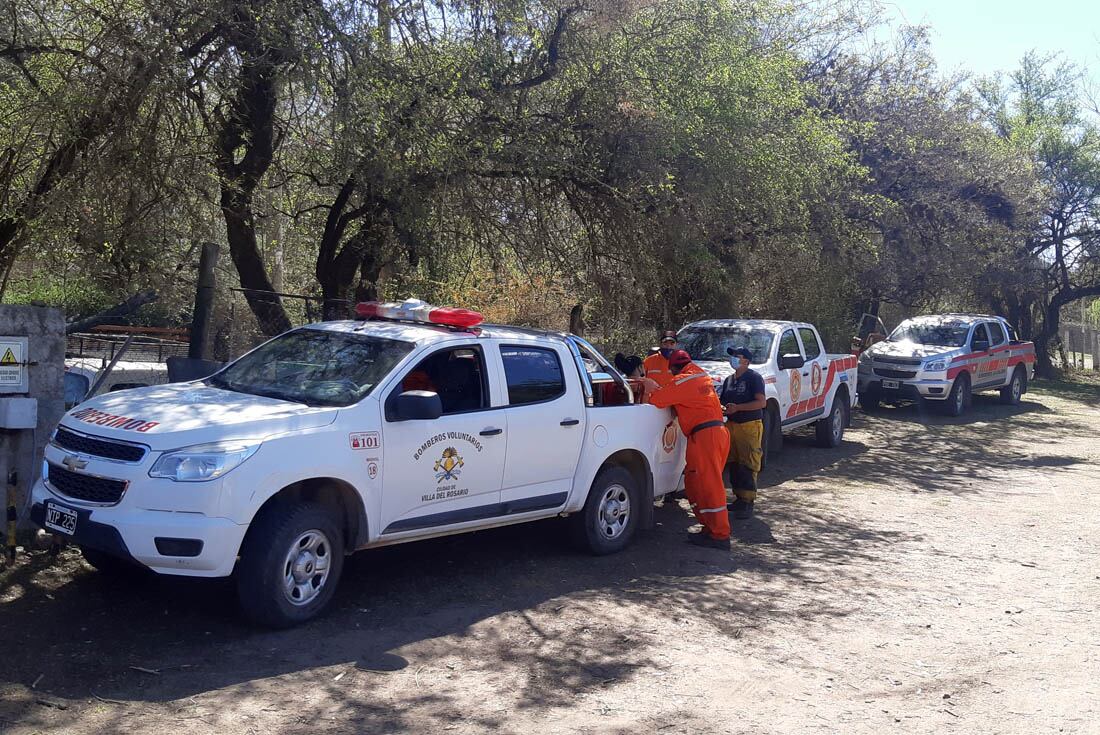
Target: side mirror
{"x":791,"y":362}
{"x":414,"y":405}
{"x":979,"y":345}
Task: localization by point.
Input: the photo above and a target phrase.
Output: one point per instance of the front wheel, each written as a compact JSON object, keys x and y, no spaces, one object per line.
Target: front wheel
{"x":1011,"y":393}
{"x":830,"y":430}
{"x":609,"y":518}
{"x":290,"y":564}
{"x":958,"y":400}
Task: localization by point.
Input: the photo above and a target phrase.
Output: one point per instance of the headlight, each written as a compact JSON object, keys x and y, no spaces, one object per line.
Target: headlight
{"x":865,"y":358}
{"x":203,"y":462}
{"x":936,"y":366}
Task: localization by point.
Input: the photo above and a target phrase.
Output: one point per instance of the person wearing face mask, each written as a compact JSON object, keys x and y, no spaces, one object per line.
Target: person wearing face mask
{"x":743,"y":401}
{"x":656,"y":365}
{"x":691,"y":393}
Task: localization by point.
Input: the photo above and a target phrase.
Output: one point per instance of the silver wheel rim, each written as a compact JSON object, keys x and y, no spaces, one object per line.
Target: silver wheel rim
{"x":960,"y":397}
{"x":614,"y":511}
{"x":1017,"y":388}
{"x":306,"y":567}
{"x":838,"y":423}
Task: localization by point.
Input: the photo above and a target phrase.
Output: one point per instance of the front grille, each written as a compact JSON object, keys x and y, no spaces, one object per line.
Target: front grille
{"x":96,"y":447}
{"x":898,"y":360}
{"x":89,"y":488}
{"x":904,"y":374}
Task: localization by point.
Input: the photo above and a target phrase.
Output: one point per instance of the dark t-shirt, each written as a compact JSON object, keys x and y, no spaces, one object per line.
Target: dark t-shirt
{"x":743,"y":390}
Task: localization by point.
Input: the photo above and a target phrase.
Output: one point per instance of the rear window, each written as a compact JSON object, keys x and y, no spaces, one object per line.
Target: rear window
{"x":809,"y":341}
{"x":533,"y":374}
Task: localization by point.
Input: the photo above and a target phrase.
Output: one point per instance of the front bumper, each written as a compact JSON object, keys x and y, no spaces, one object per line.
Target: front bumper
{"x":929,"y":388}
{"x":134,"y":534}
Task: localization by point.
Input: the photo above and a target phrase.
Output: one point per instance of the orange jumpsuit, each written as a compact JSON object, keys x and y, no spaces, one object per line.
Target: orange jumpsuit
{"x":656,"y":367}
{"x":692,"y":394}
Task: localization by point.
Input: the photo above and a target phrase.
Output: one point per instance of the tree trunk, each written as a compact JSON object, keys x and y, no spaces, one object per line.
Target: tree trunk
{"x":243,"y":152}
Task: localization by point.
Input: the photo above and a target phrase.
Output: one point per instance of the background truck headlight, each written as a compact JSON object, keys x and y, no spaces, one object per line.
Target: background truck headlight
{"x":935,"y":366}
{"x":202,"y":462}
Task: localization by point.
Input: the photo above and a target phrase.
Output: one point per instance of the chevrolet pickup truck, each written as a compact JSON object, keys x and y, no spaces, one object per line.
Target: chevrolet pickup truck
{"x":946,"y":358}
{"x":803,"y":385}
{"x":412,"y":423}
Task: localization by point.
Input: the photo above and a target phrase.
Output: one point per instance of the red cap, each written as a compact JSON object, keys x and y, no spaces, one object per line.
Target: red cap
{"x":668,"y":334}
{"x":679,"y":357}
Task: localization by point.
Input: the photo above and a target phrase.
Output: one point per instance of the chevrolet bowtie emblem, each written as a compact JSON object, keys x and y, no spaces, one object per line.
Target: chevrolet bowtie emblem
{"x":74,"y":463}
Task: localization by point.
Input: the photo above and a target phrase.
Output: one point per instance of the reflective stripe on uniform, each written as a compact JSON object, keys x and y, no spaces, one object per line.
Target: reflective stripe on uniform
{"x":712,"y":510}
{"x":686,"y":378}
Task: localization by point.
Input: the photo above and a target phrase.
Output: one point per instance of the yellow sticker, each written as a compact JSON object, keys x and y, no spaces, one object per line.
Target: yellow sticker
{"x":8,"y":358}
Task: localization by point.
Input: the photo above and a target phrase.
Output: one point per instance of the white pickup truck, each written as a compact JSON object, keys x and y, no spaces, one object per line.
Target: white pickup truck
{"x":413,"y":423}
{"x":803,"y":385}
{"x":945,"y":358}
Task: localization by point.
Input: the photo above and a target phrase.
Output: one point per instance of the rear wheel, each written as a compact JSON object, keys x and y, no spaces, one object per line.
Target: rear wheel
{"x":290,"y":564}
{"x":1015,"y":389}
{"x":609,"y":518}
{"x":830,"y":430}
{"x":958,"y":400}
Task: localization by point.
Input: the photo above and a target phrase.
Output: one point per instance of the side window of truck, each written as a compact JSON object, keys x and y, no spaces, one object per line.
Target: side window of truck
{"x":997,"y":332}
{"x":457,"y":375}
{"x":809,"y":341}
{"x":788,"y":344}
{"x":534,"y":374}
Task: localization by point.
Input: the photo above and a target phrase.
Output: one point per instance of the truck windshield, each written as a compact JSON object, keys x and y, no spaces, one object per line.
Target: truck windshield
{"x":941,"y":334}
{"x":710,"y":343}
{"x":314,"y":367}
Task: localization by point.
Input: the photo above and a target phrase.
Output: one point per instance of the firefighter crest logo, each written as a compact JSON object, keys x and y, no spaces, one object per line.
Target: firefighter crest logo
{"x":668,"y":437}
{"x":449,"y":466}
{"x":796,"y":385}
{"x":815,"y":379}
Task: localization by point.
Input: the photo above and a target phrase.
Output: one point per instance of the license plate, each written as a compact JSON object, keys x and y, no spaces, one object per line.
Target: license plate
{"x":891,"y":384}
{"x":60,"y":518}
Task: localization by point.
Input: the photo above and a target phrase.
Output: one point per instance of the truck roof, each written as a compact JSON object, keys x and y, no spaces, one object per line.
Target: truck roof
{"x":771,"y":324}
{"x":964,"y":318}
{"x":425,"y":333}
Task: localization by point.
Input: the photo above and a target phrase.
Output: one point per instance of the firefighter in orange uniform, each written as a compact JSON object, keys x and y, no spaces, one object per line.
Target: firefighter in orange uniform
{"x":656,"y":365}
{"x":691,"y":394}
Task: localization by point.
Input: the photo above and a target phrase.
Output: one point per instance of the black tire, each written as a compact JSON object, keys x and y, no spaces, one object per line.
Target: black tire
{"x":1017,"y":386}
{"x":600,"y":527}
{"x":869,"y":400}
{"x":830,"y":430}
{"x":265,"y":570}
{"x":773,"y":429}
{"x":113,"y":566}
{"x":959,"y":399}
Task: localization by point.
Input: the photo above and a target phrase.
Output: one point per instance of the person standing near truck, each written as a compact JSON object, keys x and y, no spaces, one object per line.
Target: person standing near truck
{"x":691,"y":393}
{"x":656,"y":365}
{"x":743,"y":401}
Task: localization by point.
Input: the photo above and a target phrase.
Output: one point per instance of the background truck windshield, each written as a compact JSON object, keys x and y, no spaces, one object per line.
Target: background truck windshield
{"x":710,"y":343}
{"x":314,"y":367}
{"x":942,"y":334}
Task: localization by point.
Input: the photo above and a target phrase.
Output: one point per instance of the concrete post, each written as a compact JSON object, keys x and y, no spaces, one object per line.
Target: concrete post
{"x":21,"y":449}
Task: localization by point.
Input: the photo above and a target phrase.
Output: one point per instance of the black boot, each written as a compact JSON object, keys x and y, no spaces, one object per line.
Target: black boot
{"x":741,"y":509}
{"x":706,"y":540}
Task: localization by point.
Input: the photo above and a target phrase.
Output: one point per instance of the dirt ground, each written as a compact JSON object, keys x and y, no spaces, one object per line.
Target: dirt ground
{"x":929,"y":575}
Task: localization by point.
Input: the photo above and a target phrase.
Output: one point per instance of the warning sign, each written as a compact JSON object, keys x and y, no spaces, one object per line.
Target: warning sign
{"x":13,"y":373}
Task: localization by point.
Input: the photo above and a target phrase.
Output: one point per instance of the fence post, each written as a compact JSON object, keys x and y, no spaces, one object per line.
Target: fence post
{"x":204,"y":301}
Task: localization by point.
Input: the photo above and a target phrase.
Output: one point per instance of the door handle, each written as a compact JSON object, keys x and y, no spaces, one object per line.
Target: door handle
{"x":570,"y":422}
{"x":805,"y":375}
{"x":491,"y":432}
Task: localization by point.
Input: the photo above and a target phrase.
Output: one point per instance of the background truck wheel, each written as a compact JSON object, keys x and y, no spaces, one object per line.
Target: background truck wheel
{"x":772,"y":440}
{"x":868,"y":400}
{"x":112,"y":566}
{"x":610,"y":515}
{"x":830,"y":430}
{"x":1015,"y":389}
{"x":958,"y":400}
{"x":290,"y":564}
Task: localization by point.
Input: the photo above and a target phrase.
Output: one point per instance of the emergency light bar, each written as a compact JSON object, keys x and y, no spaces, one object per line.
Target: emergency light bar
{"x":415,"y":310}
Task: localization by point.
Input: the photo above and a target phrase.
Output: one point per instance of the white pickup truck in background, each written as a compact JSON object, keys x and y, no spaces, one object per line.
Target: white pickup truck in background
{"x":412,"y":424}
{"x":945,"y":358}
{"x":803,"y":385}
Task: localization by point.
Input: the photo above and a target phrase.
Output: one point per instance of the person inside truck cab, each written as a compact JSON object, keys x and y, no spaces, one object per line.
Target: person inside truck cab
{"x":456,"y":375}
{"x":743,"y":401}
